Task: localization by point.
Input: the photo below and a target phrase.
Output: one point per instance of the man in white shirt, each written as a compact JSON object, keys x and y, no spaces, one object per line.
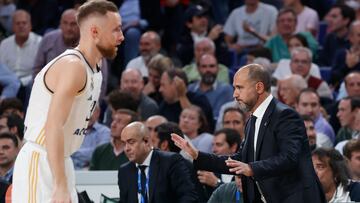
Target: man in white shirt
{"x":260,"y":18}
{"x":150,"y":45}
{"x":307,"y":18}
{"x":19,"y":50}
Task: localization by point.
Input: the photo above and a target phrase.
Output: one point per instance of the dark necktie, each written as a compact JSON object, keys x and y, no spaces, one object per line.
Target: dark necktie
{"x":251,"y":152}
{"x":251,"y":157}
{"x":143,"y":183}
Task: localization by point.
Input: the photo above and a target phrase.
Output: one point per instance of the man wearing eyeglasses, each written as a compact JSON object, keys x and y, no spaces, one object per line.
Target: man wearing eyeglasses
{"x":217,"y":93}
{"x":300,"y":64}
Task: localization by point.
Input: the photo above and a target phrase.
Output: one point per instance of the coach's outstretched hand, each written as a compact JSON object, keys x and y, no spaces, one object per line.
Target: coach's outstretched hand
{"x":185,"y":145}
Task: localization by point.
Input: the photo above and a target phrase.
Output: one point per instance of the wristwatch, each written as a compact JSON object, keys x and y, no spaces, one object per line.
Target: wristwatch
{"x":218,"y":182}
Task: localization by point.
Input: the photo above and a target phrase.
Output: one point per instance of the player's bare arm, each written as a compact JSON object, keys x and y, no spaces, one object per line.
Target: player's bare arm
{"x":65,"y":78}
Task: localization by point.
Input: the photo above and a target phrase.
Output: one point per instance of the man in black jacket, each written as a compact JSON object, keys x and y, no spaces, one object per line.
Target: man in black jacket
{"x":152,"y":175}
{"x":275,"y":160}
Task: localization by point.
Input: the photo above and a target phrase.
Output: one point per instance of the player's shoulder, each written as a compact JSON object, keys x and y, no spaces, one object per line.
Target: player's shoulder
{"x":70,"y":63}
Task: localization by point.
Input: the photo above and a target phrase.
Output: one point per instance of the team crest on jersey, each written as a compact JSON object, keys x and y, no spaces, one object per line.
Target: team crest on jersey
{"x":92,"y":84}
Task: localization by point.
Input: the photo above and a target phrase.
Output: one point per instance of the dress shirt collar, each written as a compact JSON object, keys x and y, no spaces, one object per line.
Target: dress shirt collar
{"x":147,"y":160}
{"x":7,"y":175}
{"x":28,"y":41}
{"x":260,"y":111}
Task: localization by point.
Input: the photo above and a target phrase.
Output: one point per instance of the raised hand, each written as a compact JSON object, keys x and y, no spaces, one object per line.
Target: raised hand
{"x":185,"y":145}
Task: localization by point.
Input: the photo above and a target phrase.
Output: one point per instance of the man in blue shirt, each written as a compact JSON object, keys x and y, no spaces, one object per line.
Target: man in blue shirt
{"x":217,"y":93}
{"x":9,"y":82}
{"x":96,"y":134}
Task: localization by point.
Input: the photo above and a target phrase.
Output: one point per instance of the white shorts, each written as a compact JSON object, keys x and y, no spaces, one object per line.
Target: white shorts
{"x":32,"y":178}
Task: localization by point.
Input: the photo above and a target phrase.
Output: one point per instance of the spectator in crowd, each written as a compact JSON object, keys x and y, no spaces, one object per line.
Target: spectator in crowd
{"x":13,"y":124}
{"x":137,"y":16}
{"x":349,"y":107}
{"x":118,"y":99}
{"x":194,"y":125}
{"x":151,"y":123}
{"x":315,"y":139}
{"x":217,"y":93}
{"x":308,"y":103}
{"x":96,"y":134}
{"x":352,"y":88}
{"x":133,"y":83}
{"x":9,"y":148}
{"x":307,"y":18}
{"x":9,"y":82}
{"x":204,"y":46}
{"x":110,"y":156}
{"x":330,"y":167}
{"x":168,"y":177}
{"x":41,"y":23}
{"x":226,"y":142}
{"x":228,"y":192}
{"x":300,"y":64}
{"x":150,"y":45}
{"x":12,"y":105}
{"x":347,"y":60}
{"x":234,"y":118}
{"x":163,"y":138}
{"x":286,"y":24}
{"x":197,"y":28}
{"x":289,"y":89}
{"x":7,"y":9}
{"x":352,"y":83}
{"x":251,"y":24}
{"x":176,"y":97}
{"x":258,"y":53}
{"x":157,"y":66}
{"x":338,"y":20}
{"x":18,"y":51}
{"x":57,"y":41}
{"x":310,"y":131}
{"x":352,"y":155}
{"x":283,"y":67}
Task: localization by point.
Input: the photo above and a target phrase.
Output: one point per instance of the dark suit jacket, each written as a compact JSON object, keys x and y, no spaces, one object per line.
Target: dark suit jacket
{"x":283,"y":166}
{"x":170,"y":180}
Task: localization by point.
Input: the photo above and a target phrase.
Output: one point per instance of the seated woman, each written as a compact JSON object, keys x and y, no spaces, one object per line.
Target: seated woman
{"x":194,"y":125}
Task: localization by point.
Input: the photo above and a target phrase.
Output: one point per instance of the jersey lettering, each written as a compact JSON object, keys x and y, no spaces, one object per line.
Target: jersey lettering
{"x":80,"y":131}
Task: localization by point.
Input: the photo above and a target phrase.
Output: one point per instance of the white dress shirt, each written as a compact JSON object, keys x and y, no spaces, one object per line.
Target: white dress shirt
{"x":20,"y":60}
{"x":259,"y":113}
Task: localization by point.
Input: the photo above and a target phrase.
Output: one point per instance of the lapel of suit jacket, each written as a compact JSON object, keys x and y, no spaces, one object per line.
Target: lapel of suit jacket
{"x":154,"y":170}
{"x":133,"y":171}
{"x":246,"y":142}
{"x":263,"y":126}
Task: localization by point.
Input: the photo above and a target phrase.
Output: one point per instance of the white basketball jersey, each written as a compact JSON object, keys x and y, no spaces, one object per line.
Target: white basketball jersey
{"x":81,"y":111}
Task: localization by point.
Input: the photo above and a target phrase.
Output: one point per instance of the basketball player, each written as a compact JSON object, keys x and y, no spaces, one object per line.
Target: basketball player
{"x":62,"y":100}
